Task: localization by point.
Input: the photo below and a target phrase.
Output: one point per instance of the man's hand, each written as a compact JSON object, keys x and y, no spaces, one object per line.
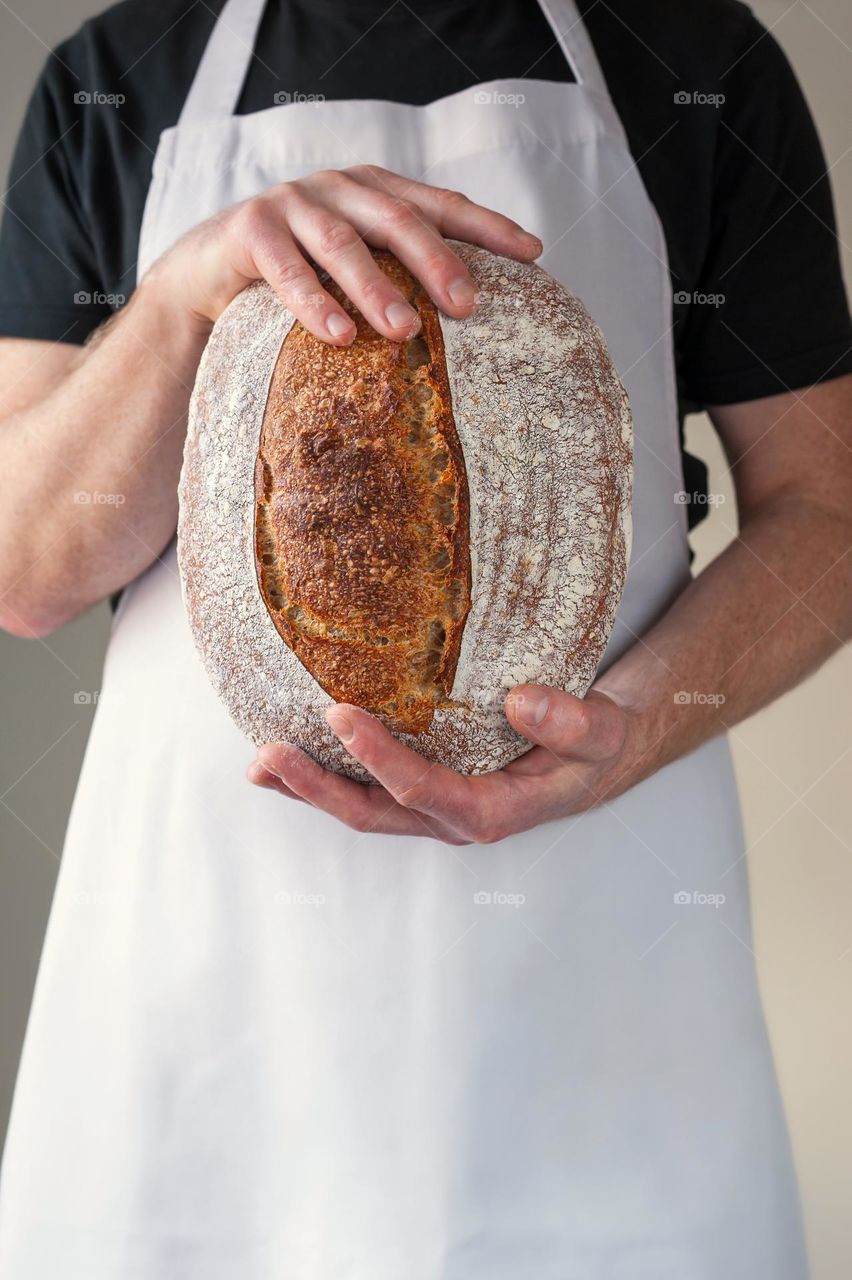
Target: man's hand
{"x":766,"y":612}
{"x":58,"y":409}
{"x":577,"y":761}
{"x":329,"y":218}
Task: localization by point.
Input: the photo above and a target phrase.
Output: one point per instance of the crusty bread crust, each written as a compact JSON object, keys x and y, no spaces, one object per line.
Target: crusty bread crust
{"x":362,"y":526}
{"x":545,"y":444}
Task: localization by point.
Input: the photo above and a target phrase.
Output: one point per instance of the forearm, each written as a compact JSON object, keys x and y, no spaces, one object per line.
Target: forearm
{"x":768,"y":611}
{"x":92,"y":467}
{"x":112,"y":429}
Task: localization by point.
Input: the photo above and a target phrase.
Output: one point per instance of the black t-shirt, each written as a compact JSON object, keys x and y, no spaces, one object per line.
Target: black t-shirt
{"x":716,"y":122}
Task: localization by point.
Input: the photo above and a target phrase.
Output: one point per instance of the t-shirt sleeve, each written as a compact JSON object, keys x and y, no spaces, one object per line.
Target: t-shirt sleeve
{"x":769,"y":312}
{"x":49,"y":277}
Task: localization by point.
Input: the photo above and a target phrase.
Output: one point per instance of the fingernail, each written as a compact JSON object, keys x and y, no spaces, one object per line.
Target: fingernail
{"x":462,"y":292}
{"x":532,"y":707}
{"x":341,"y":723}
{"x":533,"y":241}
{"x":337,"y":324}
{"x":272,"y":765}
{"x":400,"y":315}
{"x":266,"y":765}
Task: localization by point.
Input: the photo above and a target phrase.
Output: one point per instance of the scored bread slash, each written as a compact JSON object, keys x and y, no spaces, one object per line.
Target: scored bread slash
{"x":412,"y":527}
{"x":362,"y":521}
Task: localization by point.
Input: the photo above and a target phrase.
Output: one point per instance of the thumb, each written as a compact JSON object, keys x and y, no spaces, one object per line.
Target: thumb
{"x":591,"y":728}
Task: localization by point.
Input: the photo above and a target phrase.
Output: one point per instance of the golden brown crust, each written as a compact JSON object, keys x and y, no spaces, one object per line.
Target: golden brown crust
{"x":544,"y":427}
{"x":362,"y":514}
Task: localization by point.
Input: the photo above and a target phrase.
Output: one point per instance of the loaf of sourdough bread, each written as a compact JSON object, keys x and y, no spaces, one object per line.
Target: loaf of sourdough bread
{"x":411,"y":527}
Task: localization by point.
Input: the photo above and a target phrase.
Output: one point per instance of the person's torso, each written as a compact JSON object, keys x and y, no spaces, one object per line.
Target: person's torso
{"x":294,"y":1049}
{"x":328,"y":50}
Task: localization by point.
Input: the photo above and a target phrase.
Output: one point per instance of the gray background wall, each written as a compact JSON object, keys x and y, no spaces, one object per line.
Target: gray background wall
{"x":793,"y":760}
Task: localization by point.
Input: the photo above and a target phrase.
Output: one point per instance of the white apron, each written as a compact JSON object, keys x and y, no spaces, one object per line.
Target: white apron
{"x":264,"y":1047}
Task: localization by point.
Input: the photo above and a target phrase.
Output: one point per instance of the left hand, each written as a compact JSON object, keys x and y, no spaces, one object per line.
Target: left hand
{"x":576,"y":761}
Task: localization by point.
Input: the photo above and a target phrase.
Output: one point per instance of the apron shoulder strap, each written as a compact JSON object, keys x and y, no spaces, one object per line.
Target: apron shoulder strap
{"x":570,"y":30}
{"x":576,"y":45}
{"x":222,"y":71}
{"x":218,"y":82}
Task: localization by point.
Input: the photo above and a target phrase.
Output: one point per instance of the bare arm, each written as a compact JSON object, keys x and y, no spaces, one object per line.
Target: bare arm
{"x":777,"y":602}
{"x":90,"y":447}
{"x":91,"y":439}
{"x":769,"y":610}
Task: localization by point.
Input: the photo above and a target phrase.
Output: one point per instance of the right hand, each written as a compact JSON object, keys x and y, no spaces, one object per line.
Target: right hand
{"x":328,"y":219}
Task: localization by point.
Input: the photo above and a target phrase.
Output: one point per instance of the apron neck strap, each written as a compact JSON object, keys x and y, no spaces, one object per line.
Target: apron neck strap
{"x":218,"y":82}
{"x":570,"y":31}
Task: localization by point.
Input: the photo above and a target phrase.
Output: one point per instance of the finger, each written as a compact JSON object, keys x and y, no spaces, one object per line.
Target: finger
{"x":454,"y":214}
{"x":428,"y":788}
{"x":335,"y":244}
{"x":273,"y":255}
{"x":582,"y":729}
{"x":390,"y":222}
{"x":260,"y":777}
{"x":362,"y":807}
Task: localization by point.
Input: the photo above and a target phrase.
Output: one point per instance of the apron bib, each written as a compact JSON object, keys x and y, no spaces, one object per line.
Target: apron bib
{"x":264,"y":1046}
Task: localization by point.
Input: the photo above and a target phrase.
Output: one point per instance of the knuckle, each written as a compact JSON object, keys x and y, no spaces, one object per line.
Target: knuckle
{"x":252,"y":219}
{"x":582,"y":723}
{"x":441,"y":263}
{"x":278,"y":193}
{"x":400,"y":213}
{"x":292,"y":276}
{"x":335,"y":237}
{"x":482,"y":826}
{"x":569,"y":721}
{"x":364,"y":172}
{"x":331,"y":178}
{"x":449,"y":199}
{"x":485,"y":831}
{"x":373,"y":290}
{"x":415,"y":796}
